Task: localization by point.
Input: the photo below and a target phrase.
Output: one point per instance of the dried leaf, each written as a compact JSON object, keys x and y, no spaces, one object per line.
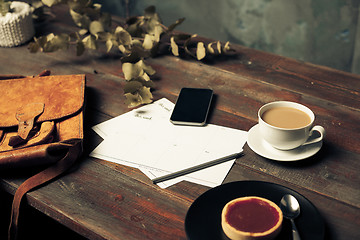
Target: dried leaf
{"x":150,"y":12}
{"x":80,"y":20}
{"x":50,"y":37}
{"x":210,"y":48}
{"x":122,"y":49}
{"x":132,"y":87}
{"x":90,"y":42}
{"x":136,"y":53}
{"x":142,"y":96}
{"x":139,"y":40}
{"x":4,"y":7}
{"x":57,"y":42}
{"x":83,"y":31}
{"x":50,"y":3}
{"x":38,"y":44}
{"x":144,"y":80}
{"x":146,"y":95}
{"x":96,"y":27}
{"x":33,"y":47}
{"x":131,"y":70}
{"x":136,"y":43}
{"x":226,"y":47}
{"x":147,"y":68}
{"x":134,"y":26}
{"x":119,"y":29}
{"x":151,"y":26}
{"x":174,"y":47}
{"x":200,"y":51}
{"x":105,"y":36}
{"x":132,"y":100}
{"x":148,"y":42}
{"x":158,"y":30}
{"x":97,"y":6}
{"x":122,"y":36}
{"x":218,"y":45}
{"x":145,"y":77}
{"x":109,"y":44}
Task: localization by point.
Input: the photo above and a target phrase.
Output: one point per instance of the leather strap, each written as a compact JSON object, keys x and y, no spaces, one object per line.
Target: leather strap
{"x":16,"y":76}
{"x":36,"y":137}
{"x":74,"y":149}
{"x":26,"y":116}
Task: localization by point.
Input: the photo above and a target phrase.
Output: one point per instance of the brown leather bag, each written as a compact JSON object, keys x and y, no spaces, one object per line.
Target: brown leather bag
{"x":41,"y":123}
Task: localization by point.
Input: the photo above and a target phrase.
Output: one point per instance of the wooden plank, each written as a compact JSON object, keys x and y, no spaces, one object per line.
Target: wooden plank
{"x":101,"y":203}
{"x":97,"y":211}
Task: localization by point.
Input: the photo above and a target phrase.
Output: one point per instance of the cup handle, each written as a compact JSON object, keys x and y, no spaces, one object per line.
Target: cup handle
{"x":318,"y":129}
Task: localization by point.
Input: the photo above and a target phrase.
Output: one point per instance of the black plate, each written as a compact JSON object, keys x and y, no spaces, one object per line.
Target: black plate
{"x":203,"y":219}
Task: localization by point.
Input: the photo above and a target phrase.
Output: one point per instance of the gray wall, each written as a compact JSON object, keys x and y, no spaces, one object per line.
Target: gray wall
{"x":325,"y":32}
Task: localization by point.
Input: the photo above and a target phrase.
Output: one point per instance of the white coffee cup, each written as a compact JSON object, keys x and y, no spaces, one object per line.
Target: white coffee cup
{"x":289,"y":138}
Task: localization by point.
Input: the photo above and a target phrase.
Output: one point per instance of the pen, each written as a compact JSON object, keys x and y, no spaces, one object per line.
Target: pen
{"x":197,"y":167}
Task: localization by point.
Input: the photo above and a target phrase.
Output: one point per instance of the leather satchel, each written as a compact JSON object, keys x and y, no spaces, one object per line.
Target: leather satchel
{"x":41,"y":124}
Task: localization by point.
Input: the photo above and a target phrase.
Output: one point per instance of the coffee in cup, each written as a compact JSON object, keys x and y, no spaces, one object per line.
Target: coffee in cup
{"x":288,"y":125}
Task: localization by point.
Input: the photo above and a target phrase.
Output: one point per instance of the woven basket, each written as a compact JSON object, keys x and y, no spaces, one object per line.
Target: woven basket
{"x":16,"y":27}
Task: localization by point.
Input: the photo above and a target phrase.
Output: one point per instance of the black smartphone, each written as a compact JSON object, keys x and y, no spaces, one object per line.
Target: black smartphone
{"x":192,"y":106}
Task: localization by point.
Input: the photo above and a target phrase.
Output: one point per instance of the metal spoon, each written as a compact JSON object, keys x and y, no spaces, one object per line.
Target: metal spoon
{"x":290,"y":207}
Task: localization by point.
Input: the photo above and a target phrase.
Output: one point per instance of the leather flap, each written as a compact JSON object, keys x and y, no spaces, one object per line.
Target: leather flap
{"x":62,"y":96}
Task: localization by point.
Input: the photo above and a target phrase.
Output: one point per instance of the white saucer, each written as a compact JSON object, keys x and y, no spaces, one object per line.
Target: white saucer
{"x":264,"y":149}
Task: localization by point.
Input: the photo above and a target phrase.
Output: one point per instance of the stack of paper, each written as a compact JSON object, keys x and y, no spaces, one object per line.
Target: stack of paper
{"x":144,"y":138}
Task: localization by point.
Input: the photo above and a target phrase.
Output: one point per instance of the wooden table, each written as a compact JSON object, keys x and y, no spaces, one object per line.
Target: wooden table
{"x":102,"y":200}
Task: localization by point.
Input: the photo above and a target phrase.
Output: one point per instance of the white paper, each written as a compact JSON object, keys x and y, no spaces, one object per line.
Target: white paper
{"x":144,"y":138}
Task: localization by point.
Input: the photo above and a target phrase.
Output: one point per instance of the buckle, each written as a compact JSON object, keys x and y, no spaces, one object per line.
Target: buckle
{"x":26,"y":116}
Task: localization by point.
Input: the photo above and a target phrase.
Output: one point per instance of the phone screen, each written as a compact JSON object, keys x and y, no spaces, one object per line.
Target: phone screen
{"x":192,"y":106}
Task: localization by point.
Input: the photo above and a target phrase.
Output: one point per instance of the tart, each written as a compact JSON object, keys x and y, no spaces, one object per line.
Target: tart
{"x":249,"y":218}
